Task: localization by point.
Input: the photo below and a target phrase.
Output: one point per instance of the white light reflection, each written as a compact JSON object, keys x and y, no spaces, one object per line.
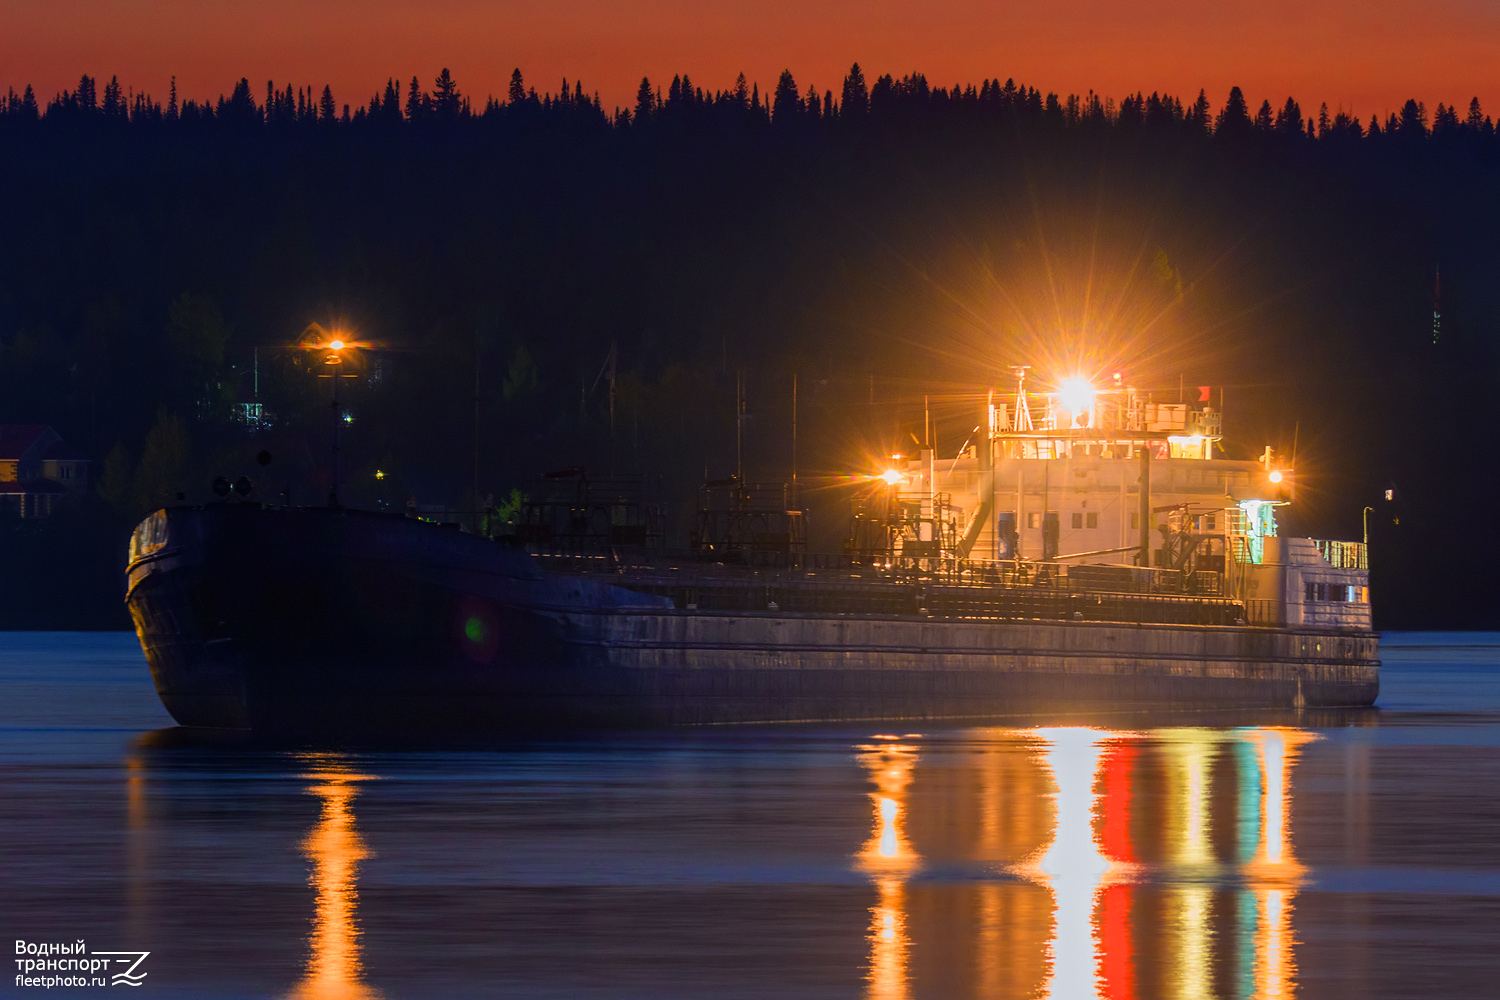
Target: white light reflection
{"x":1071,"y":865}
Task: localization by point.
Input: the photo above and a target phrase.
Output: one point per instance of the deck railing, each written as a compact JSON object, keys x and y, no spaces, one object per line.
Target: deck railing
{"x":1343,"y":555}
{"x":836,"y":585}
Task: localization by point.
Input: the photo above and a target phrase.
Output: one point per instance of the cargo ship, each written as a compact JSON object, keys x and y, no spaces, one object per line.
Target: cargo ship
{"x":1088,"y":549}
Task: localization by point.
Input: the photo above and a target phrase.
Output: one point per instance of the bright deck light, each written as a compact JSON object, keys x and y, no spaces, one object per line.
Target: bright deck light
{"x":891,"y":476}
{"x":1275,"y":476}
{"x":1075,"y":394}
{"x":337,"y":345}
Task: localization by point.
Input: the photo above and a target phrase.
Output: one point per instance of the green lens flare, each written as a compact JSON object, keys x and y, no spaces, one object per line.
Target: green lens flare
{"x":474,"y":629}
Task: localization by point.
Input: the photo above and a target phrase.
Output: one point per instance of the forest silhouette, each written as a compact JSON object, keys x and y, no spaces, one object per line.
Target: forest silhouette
{"x":539,"y":283}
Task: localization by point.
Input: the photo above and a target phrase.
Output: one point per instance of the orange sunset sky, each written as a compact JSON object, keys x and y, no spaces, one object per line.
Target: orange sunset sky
{"x":1366,"y":56}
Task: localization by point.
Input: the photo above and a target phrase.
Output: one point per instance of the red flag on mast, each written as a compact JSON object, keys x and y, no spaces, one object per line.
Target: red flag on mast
{"x":1203,"y":393}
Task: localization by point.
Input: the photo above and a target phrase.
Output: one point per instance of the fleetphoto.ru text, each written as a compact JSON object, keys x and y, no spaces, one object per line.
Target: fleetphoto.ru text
{"x":48,"y":965}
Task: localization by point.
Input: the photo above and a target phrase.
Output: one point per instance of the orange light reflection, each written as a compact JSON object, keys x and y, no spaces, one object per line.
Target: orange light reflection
{"x":889,"y":859}
{"x":334,"y":968}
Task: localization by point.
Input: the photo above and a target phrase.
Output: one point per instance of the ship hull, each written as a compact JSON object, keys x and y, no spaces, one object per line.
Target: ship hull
{"x":325,"y":620}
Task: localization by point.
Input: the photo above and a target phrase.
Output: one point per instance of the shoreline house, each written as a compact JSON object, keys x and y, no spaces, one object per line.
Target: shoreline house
{"x":38,"y":470}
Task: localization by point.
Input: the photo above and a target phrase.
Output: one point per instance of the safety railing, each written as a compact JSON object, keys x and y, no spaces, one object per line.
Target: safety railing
{"x":1343,"y":555}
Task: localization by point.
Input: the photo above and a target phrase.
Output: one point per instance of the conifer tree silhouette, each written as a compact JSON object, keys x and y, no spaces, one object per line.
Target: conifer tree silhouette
{"x":446,"y":102}
{"x":85,"y":98}
{"x":854,"y":101}
{"x":787,"y":103}
{"x":416,"y":101}
{"x":1233,"y":120}
{"x":645,"y":101}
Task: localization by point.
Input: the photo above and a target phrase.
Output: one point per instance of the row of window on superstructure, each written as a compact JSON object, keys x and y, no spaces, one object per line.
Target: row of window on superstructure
{"x":1336,"y":592}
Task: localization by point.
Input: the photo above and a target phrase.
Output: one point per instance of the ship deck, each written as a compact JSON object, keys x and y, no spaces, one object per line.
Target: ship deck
{"x":827,"y":584}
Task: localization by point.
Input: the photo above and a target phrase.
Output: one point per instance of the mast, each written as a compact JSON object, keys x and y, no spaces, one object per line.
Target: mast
{"x":1437,"y":304}
{"x":1023,"y":412}
{"x":474,"y":522}
{"x":1145,"y":497}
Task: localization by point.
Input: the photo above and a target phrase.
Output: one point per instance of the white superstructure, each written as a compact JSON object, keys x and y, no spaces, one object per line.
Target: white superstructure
{"x":1068,"y":481}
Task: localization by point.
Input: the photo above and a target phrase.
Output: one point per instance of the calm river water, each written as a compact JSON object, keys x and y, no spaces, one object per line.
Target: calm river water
{"x":1313,"y":855}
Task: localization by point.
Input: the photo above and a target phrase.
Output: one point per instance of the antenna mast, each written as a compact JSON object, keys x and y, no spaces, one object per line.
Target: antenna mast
{"x":1023,"y":412}
{"x":1437,"y":304}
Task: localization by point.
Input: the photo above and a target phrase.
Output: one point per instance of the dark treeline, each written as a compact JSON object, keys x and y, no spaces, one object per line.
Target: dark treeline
{"x":889,"y":97}
{"x":539,"y":283}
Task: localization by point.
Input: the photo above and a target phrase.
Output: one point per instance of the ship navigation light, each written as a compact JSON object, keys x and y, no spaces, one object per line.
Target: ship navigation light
{"x":1283,"y":483}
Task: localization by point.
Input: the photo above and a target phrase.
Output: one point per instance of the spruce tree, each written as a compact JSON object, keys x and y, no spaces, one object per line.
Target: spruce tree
{"x":1412,"y":125}
{"x":1234,"y":120}
{"x":446,"y":103}
{"x":741,"y":93}
{"x":1445,"y":122}
{"x":645,"y":100}
{"x":85,"y":97}
{"x":390,"y":101}
{"x":855,"y":99}
{"x":1265,"y":119}
{"x":787,"y":102}
{"x":416,"y":101}
{"x":114,"y":103}
{"x":1289,"y":118}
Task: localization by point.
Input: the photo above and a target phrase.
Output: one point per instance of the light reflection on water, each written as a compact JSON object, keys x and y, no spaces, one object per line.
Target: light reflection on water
{"x":1091,"y":866}
{"x":889,"y":859}
{"x":1349,"y":857}
{"x":334,"y":969}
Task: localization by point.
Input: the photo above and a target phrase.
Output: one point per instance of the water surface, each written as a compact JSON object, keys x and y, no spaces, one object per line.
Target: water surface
{"x":1326,"y":854}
